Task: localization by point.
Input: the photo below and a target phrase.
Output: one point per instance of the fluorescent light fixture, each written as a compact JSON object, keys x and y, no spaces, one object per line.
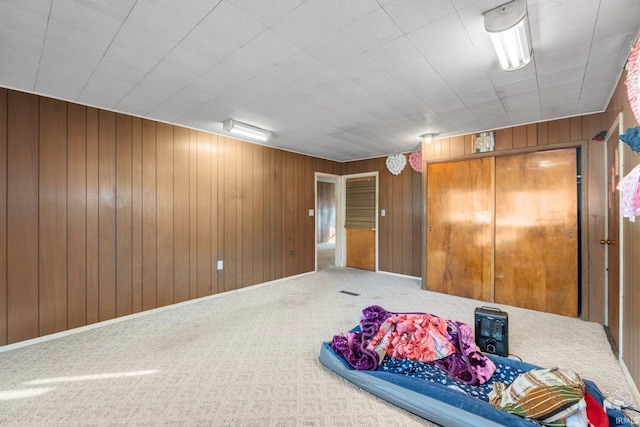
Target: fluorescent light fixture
{"x":248,"y":131}
{"x":508,"y":27}
{"x":428,"y":137}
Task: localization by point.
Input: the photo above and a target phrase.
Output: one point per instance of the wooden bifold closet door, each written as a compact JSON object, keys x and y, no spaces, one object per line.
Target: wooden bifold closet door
{"x":504,"y":229}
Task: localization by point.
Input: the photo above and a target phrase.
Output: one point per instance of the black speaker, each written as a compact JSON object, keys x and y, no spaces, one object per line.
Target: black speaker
{"x":492,"y":330}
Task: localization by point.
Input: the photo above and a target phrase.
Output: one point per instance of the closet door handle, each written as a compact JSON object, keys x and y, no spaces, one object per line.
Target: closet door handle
{"x":607,"y":242}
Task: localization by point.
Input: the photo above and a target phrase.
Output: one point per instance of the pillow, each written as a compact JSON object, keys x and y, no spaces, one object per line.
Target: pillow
{"x":547,"y":396}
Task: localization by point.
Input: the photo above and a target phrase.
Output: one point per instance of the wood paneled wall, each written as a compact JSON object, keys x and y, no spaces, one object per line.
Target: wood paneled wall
{"x":104,"y":214}
{"x":400,"y":230}
{"x":630,"y":268}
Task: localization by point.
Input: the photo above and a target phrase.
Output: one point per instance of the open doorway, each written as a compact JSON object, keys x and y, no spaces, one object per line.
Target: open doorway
{"x":326,"y":220}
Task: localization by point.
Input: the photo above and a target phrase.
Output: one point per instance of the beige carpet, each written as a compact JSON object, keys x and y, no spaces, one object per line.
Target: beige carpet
{"x":250,"y":359}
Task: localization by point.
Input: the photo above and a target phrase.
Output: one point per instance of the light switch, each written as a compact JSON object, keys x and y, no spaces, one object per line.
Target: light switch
{"x":383,"y":212}
{"x":310,"y":212}
{"x":219,"y":265}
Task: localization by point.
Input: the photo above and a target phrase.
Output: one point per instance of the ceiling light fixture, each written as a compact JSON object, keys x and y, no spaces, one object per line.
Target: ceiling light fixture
{"x":246,"y":130}
{"x":508,"y":27}
{"x":428,"y":137}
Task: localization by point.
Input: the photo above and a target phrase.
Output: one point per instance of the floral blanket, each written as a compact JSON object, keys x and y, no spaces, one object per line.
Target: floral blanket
{"x":419,"y":337}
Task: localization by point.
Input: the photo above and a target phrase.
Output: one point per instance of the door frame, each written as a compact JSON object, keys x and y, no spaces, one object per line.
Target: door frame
{"x":335,"y":179}
{"x":342,"y":240}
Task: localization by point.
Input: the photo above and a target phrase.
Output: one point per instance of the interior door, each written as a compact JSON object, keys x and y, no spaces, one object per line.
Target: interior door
{"x":610,"y":234}
{"x":536,"y":234}
{"x":460,"y":228}
{"x":360,"y":221}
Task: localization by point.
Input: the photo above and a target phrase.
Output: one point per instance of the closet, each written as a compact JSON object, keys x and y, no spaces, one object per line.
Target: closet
{"x":504,"y":229}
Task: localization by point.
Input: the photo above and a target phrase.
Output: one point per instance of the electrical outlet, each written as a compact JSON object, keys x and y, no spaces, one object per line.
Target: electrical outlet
{"x":219,"y":265}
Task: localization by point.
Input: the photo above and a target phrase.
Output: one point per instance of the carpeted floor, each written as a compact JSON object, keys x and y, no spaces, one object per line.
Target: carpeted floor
{"x":249,"y":358}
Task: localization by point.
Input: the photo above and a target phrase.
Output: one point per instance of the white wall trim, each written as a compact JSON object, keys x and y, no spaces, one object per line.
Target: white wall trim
{"x":401,"y":275}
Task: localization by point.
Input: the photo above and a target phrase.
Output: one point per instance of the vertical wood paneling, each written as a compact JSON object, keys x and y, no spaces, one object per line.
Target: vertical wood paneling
{"x":77,"y":216}
{"x":407,"y":221}
{"x":230,"y":211}
{"x":416,"y":226}
{"x":22,"y":217}
{"x":575,"y":129}
{"x":93,"y":213}
{"x":245,"y":227}
{"x":217,"y":241}
{"x":124,"y":216}
{"x":504,"y":139}
{"x":149,"y":215}
{"x":181,"y":214}
{"x":52,"y":225}
{"x":268,"y":215}
{"x":396,"y":224}
{"x":3,"y":216}
{"x":532,"y":135}
{"x":279,"y":243}
{"x":543,"y":133}
{"x":519,"y":137}
{"x":258,"y":213}
{"x":203,"y":220}
{"x":136,"y":209}
{"x":289,"y":186}
{"x":165,"y":179}
{"x":107,"y":215}
{"x":193,"y":214}
{"x":310,"y":165}
{"x":384,"y":201}
{"x":457,"y":146}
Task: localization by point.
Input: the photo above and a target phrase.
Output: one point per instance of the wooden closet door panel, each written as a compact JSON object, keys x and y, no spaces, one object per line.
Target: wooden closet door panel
{"x":536,"y":237}
{"x":459,"y":228}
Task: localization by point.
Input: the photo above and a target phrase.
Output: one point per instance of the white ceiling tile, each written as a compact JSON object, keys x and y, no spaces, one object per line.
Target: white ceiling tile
{"x":439,"y":34}
{"x":125,"y":57}
{"x":303,"y":27}
{"x":371,"y":30}
{"x":22,"y":28}
{"x":238,"y":67}
{"x":333,"y":50}
{"x":394,"y":53}
{"x":61,"y":80}
{"x":207,"y":44}
{"x":417,"y":75}
{"x":413,"y":14}
{"x":183,"y":62}
{"x":271,"y":47}
{"x":18,"y":69}
{"x":301,"y":65}
{"x":267,"y":11}
{"x":192,"y":10}
{"x":340,"y":13}
{"x":233,"y":24}
{"x":118,"y":9}
{"x":142,"y":100}
{"x":83,"y":18}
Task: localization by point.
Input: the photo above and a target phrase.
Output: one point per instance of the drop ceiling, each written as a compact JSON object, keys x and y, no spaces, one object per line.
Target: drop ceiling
{"x":337,"y":79}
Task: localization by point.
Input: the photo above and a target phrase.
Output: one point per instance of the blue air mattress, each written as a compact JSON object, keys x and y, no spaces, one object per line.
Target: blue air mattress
{"x":442,"y":404}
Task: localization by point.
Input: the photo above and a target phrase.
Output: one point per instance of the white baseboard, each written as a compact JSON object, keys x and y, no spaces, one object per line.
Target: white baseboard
{"x":103,"y":323}
{"x":399,"y":275}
